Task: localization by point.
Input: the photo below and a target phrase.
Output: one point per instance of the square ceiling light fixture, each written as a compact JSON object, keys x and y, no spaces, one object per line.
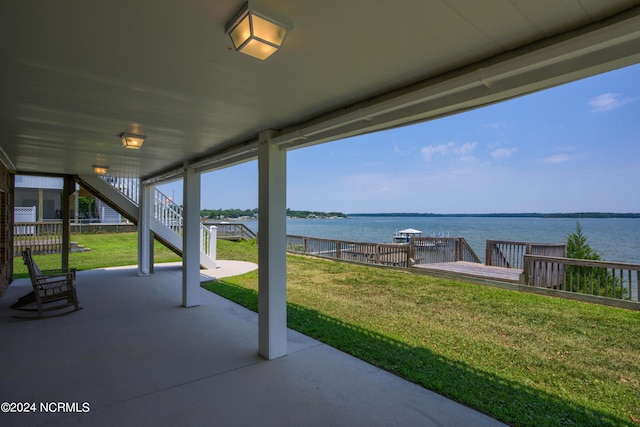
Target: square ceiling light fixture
{"x":100,"y":169}
{"x":255,"y":34}
{"x":131,"y":140}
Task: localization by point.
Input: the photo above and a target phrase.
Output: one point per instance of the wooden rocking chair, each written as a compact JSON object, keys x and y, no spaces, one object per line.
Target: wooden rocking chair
{"x":48,"y":287}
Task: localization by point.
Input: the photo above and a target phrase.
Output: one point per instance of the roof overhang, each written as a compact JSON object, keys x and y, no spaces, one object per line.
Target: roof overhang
{"x":73,"y":81}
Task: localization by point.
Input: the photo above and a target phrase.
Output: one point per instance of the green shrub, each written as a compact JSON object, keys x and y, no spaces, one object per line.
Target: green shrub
{"x":590,"y":280}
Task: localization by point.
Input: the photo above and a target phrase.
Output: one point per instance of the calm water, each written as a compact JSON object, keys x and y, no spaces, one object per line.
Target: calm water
{"x":616,"y":239}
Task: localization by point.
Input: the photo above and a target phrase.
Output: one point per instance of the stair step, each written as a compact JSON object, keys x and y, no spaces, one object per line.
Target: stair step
{"x":75,"y":247}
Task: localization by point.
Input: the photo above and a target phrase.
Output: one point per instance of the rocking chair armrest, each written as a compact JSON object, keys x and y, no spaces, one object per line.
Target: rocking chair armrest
{"x":48,"y":279}
{"x":58,"y":272}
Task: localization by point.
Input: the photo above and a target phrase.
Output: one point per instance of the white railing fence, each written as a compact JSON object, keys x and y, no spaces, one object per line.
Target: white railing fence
{"x":24,"y":214}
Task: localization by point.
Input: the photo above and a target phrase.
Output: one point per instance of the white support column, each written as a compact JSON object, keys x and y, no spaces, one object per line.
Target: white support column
{"x":213,"y":242}
{"x":191,"y":238}
{"x":145,"y":236}
{"x":272,"y":278}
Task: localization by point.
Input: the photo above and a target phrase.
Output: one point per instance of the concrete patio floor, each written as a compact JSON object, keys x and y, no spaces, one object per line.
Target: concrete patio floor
{"x":136,"y":357}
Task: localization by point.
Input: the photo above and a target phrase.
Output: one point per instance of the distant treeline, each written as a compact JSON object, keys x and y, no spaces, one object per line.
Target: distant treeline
{"x":227,"y":213}
{"x":577,"y":215}
{"x":238,"y":213}
{"x":312,"y":214}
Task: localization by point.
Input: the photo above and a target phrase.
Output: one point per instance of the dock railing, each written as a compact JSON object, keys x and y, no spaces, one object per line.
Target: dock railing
{"x":508,"y":254}
{"x":368,"y":253}
{"x":429,"y":250}
{"x":232,"y":231}
{"x":600,"y":278}
{"x":421,"y":250}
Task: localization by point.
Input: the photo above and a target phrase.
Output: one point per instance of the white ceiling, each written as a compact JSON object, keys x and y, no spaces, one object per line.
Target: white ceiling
{"x":75,"y":74}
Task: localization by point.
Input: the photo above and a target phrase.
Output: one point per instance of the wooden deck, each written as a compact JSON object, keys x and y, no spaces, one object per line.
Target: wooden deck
{"x":472,"y":269}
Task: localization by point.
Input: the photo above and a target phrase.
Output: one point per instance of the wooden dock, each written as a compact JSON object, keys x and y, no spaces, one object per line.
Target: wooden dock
{"x":231,"y":231}
{"x":472,"y":269}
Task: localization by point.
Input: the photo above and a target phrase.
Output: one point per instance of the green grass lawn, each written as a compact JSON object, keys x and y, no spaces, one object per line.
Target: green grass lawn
{"x":524,"y":359}
{"x":107,"y":250}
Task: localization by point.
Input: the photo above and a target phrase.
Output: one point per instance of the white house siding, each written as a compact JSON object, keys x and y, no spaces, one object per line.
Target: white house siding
{"x":45,"y":182}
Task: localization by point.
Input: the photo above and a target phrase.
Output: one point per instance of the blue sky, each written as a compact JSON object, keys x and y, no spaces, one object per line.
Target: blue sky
{"x":574,"y":148}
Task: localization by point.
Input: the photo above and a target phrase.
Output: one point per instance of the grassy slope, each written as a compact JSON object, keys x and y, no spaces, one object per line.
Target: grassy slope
{"x":524,"y":359}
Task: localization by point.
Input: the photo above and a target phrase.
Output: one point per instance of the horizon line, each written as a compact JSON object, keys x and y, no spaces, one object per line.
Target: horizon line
{"x":590,"y":213}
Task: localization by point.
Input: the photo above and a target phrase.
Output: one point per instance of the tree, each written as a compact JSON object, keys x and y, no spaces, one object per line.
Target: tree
{"x":83,"y":203}
{"x":589,"y":280}
{"x":577,"y":246}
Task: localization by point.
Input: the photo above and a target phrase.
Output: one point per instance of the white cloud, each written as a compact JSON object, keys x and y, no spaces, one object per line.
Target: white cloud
{"x":464,"y":149}
{"x":503,"y":153}
{"x":556,"y":158}
{"x":450,"y":148}
{"x":607,"y":102}
{"x":430,"y":150}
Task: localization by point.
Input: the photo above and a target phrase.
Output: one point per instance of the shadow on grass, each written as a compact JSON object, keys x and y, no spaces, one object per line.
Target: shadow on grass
{"x":505,"y":400}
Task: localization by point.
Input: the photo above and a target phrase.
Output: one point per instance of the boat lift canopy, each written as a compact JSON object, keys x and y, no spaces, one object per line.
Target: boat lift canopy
{"x":410,"y":231}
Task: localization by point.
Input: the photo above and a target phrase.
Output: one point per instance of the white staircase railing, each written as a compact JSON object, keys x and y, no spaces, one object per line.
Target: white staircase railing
{"x":128,"y":187}
{"x":171,"y":215}
{"x":165,"y":210}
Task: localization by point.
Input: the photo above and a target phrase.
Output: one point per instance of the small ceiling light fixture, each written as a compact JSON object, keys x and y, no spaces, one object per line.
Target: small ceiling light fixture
{"x":100,"y":169}
{"x":131,"y":140}
{"x":255,"y":34}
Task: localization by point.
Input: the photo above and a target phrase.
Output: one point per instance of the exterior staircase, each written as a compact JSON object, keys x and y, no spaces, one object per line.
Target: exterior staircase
{"x":121,"y":194}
